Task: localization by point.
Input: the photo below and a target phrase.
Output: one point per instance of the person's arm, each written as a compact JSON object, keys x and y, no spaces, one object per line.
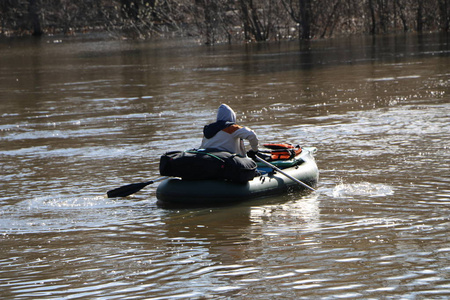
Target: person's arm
{"x":249,"y":135}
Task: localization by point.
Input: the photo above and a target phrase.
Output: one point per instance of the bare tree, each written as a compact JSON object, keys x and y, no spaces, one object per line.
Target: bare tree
{"x":211,"y":20}
{"x":34,"y":17}
{"x":302,"y":13}
{"x":444,"y":9}
{"x":257,"y":18}
{"x":401,"y":7}
{"x":330,"y":16}
{"x":419,"y":16}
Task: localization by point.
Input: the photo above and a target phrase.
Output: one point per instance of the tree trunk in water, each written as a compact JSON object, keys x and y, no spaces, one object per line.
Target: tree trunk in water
{"x":444,"y":7}
{"x":305,"y":21}
{"x":34,"y":16}
{"x":373,"y":27}
{"x":402,"y":15}
{"x":419,"y":16}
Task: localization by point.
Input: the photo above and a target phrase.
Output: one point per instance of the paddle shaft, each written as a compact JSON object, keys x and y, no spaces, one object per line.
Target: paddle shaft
{"x":284,"y":173}
{"x":156,"y":180}
{"x":129,"y":189}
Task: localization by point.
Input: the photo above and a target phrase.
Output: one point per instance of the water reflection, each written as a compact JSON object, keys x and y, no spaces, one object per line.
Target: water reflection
{"x":218,"y":246}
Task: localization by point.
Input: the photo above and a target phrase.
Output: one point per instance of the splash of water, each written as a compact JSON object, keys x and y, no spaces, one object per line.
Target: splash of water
{"x":61,"y":213}
{"x":51,"y":202}
{"x":344,"y":190}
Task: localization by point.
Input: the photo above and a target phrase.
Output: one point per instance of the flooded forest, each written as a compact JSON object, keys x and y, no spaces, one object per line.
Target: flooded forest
{"x":222,"y":21}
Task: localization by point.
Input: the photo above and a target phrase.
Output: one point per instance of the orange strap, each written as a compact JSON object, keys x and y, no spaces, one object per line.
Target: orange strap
{"x":232,"y":128}
{"x":285,"y":154}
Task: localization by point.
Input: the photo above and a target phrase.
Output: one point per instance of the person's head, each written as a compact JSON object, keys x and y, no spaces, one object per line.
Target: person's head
{"x":225,"y":113}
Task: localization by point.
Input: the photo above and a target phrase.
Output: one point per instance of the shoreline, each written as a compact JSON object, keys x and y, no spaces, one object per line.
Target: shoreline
{"x":105,"y":35}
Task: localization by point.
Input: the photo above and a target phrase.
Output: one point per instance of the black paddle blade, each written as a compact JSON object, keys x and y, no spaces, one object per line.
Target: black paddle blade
{"x":126,"y":190}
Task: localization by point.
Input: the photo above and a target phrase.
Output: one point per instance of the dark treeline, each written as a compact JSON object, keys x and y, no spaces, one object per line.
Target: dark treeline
{"x":217,"y":21}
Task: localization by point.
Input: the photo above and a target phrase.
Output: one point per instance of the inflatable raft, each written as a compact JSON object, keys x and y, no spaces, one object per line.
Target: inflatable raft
{"x":213,"y":192}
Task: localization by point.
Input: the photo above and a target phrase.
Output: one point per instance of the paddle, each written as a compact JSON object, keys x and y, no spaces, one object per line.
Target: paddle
{"x":129,"y":189}
{"x":284,"y":173}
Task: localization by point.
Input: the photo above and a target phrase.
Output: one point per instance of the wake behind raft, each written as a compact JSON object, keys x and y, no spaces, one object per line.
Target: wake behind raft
{"x":228,"y":178}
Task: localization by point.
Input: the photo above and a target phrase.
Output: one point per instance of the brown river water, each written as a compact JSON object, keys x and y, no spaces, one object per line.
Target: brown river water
{"x":81,"y":116}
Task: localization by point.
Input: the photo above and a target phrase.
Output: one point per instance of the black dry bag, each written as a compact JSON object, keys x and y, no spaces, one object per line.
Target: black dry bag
{"x":201,"y":165}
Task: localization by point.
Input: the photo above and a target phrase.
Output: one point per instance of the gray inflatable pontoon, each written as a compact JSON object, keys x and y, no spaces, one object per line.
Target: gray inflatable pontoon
{"x":215,"y":192}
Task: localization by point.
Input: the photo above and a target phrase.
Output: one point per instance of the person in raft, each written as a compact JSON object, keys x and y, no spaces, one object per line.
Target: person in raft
{"x":226,"y":135}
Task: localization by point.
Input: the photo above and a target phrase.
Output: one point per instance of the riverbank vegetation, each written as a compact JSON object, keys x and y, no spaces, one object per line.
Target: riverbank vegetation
{"x":218,"y":21}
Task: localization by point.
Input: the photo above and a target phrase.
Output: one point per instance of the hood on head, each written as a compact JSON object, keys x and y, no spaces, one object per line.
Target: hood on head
{"x":225,"y":113}
{"x":225,"y":117}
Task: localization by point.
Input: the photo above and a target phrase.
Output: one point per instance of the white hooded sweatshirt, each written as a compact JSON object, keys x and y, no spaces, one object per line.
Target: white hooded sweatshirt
{"x":225,"y":135}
